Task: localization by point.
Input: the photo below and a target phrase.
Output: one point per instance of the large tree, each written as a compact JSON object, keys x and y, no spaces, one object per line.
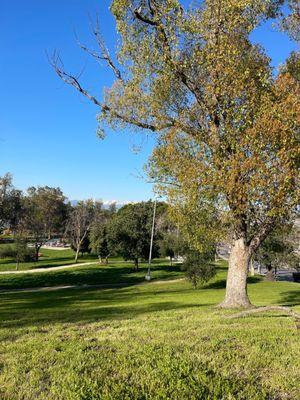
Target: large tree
{"x":129,"y":232}
{"x":228,"y":127}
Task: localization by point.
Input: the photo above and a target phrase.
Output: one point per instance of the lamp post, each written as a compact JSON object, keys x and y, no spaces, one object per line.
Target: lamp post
{"x":148,"y":275}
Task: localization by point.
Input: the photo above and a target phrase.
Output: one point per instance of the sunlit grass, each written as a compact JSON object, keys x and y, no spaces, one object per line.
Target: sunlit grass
{"x":152,"y":341}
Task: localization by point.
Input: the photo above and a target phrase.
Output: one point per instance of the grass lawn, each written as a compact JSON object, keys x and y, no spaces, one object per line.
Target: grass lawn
{"x":153,"y":341}
{"x":49,"y":258}
{"x":95,"y":274}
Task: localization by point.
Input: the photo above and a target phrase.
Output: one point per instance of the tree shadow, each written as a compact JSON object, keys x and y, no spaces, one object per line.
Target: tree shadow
{"x":74,"y":306}
{"x":290,"y":298}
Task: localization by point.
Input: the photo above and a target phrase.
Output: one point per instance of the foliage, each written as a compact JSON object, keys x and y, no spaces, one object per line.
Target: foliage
{"x":199,"y":267}
{"x":130,"y":232}
{"x":278,"y":250}
{"x":7,"y":251}
{"x":19,"y":252}
{"x":11,"y":206}
{"x":24,"y":253}
{"x":99,"y":234}
{"x":44,"y":213}
{"x":79,"y":223}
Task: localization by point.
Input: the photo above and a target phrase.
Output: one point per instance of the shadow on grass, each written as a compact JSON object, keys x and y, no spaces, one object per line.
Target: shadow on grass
{"x":72,"y":306}
{"x":89,"y":275}
{"x":290,"y":298}
{"x":221,"y":284}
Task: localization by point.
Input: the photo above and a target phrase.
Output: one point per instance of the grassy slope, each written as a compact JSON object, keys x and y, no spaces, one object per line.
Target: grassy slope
{"x":153,"y":341}
{"x":95,"y":274}
{"x":49,"y":258}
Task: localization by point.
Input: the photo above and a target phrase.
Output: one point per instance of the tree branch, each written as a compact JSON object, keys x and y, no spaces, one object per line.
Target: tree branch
{"x":157,"y":23}
{"x":72,"y":80}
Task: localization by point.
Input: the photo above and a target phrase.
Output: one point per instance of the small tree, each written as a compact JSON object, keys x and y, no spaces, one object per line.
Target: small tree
{"x":79,"y":223}
{"x":199,"y":267}
{"x":100,"y":242}
{"x":22,"y":252}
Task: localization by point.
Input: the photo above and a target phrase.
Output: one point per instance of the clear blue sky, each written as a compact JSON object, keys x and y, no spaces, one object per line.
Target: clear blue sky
{"x":47,"y":130}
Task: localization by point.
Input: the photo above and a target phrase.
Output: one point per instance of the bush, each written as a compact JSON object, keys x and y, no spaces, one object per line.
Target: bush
{"x":23,"y":252}
{"x":199,"y":268}
{"x":7,"y":251}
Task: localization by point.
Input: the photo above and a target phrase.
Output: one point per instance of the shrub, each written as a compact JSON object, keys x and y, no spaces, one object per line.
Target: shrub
{"x":7,"y":251}
{"x":199,"y":267}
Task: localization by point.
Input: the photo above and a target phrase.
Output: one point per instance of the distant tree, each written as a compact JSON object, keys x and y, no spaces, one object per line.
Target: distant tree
{"x":11,"y":204}
{"x":278,"y":251}
{"x":44,"y":213}
{"x":130,"y":232}
{"x":199,"y":267}
{"x":100,"y":242}
{"x":85,"y":247}
{"x":79,"y":223}
{"x":99,"y":233}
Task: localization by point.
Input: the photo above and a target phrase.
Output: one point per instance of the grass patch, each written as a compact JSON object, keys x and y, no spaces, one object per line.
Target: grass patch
{"x":153,"y":341}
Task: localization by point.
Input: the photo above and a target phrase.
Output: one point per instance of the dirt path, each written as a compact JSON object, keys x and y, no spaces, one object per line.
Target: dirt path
{"x":49,"y":269}
{"x":103,"y":286}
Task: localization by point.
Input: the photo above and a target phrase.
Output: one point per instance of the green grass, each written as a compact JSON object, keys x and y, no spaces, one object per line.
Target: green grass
{"x":153,"y":341}
{"x":49,"y":258}
{"x":95,"y":274}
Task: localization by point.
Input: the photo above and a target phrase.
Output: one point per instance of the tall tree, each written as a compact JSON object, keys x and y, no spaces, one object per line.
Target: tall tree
{"x":228,"y":128}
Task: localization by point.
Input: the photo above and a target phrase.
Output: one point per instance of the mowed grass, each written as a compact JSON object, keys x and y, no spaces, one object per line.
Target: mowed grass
{"x":160,"y":340}
{"x":116,"y":272}
{"x":49,"y":258}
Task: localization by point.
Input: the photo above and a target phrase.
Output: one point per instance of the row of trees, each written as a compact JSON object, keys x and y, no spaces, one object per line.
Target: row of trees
{"x":42,"y":213}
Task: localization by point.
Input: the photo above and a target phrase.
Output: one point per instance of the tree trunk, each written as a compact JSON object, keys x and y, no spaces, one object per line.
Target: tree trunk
{"x":136,"y":264}
{"x":77,"y":253}
{"x":252,"y":270}
{"x":236,"y":286}
{"x":37,"y":250}
{"x":270,"y":276}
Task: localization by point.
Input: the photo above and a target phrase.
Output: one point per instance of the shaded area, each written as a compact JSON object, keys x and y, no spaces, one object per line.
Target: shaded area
{"x":89,"y":275}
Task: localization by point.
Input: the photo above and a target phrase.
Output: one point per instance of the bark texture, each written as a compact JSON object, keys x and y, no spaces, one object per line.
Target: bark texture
{"x":236,"y":287}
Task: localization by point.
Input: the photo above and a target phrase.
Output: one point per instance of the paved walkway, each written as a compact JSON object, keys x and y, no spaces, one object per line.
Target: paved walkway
{"x":48,"y":269}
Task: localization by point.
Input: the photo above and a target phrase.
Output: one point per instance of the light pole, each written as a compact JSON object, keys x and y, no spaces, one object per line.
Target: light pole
{"x":148,"y":275}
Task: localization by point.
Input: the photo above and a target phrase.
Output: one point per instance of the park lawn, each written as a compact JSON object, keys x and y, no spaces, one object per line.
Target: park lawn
{"x":116,"y":272}
{"x":160,"y":340}
{"x":49,"y":258}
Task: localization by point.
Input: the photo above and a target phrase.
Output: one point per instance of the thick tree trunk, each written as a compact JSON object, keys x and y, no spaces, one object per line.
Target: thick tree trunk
{"x":252,"y":270}
{"x":236,"y":287}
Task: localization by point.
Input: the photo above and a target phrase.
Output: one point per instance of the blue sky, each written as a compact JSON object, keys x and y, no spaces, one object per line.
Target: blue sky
{"x":47,"y":130}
